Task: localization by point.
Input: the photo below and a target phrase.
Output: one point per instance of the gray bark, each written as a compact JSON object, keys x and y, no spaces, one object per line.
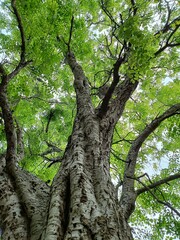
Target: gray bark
{"x":81,"y":203}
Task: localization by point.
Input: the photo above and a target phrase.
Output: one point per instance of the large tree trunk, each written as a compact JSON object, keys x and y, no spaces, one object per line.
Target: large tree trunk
{"x":81,"y":202}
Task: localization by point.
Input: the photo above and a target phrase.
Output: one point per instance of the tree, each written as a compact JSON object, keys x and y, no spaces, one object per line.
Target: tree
{"x":123,"y":116}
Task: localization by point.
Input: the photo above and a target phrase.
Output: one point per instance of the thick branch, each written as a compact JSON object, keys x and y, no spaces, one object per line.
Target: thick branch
{"x":7,"y":116}
{"x":128,"y":182}
{"x":105,"y":103}
{"x":124,"y":91}
{"x":133,"y":152}
{"x":50,"y":116}
{"x":158,"y":183}
{"x":70,"y":35}
{"x":9,"y":125}
{"x":20,"y":26}
{"x":22,"y":63}
{"x":20,"y":144}
{"x":11,"y":136}
{"x":122,"y":58}
{"x":80,"y":84}
{"x":2,"y":71}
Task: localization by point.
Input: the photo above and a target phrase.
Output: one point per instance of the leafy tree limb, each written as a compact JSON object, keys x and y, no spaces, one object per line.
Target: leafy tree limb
{"x":167,"y":204}
{"x":106,"y":99}
{"x":168,"y":43}
{"x":12,"y":136}
{"x":128,"y":194}
{"x":22,"y":63}
{"x":20,"y":26}
{"x":168,"y":26}
{"x":157,"y":183}
{"x":107,"y":12}
{"x":133,"y":152}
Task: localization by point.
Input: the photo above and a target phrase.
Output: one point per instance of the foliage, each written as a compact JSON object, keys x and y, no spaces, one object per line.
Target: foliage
{"x":43,"y":100}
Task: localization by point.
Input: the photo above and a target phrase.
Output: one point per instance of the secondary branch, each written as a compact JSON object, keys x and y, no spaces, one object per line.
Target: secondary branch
{"x":22,"y":62}
{"x":106,"y":99}
{"x":8,"y":124}
{"x":20,"y":26}
{"x":158,"y":183}
{"x":81,"y":85}
{"x":128,"y":182}
{"x":168,"y":43}
{"x":167,"y":204}
{"x":167,"y":26}
{"x":133,"y":152}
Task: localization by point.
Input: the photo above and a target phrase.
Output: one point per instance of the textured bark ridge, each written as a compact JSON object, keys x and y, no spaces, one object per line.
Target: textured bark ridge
{"x":23,"y":204}
{"x":82,"y":192}
{"x":81,"y":203}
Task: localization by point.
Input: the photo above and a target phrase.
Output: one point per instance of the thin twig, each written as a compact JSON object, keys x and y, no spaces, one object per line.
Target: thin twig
{"x":117,"y":157}
{"x":167,"y":204}
{"x":158,"y":183}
